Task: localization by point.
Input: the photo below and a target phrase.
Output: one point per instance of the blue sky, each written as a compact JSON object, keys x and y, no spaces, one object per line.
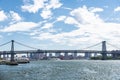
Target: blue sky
{"x":60,"y":24}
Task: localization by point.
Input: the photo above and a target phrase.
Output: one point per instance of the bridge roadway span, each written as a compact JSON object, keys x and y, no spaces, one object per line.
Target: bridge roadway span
{"x":54,"y":51}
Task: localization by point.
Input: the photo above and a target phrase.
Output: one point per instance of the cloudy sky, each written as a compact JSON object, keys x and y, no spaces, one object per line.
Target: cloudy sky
{"x":60,"y":24}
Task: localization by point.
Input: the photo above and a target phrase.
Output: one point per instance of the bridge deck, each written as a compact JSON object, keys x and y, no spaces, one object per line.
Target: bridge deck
{"x":54,"y":51}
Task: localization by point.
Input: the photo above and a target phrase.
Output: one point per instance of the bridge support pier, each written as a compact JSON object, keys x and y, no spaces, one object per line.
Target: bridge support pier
{"x":41,"y":55}
{"x":114,"y":56}
{"x":104,"y":55}
{"x":66,"y":56}
{"x":87,"y":55}
{"x":4,"y":56}
{"x":104,"y":51}
{"x":12,"y":51}
{"x":45,"y":56}
{"x":75,"y":55}
{"x":0,"y":56}
{"x":7,"y":55}
{"x":28,"y":55}
{"x":50,"y":55}
{"x":95,"y":54}
{"x":57,"y":54}
{"x":31,"y":55}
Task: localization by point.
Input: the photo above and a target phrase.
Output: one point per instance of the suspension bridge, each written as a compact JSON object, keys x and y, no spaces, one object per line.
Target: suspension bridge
{"x":33,"y":50}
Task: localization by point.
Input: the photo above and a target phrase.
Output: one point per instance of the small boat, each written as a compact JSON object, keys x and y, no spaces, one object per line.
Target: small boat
{"x":22,"y":60}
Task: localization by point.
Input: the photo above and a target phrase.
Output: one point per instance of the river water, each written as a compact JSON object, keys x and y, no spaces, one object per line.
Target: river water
{"x":62,"y":70}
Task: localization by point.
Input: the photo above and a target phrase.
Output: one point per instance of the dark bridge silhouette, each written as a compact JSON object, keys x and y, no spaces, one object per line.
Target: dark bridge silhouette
{"x":103,"y":52}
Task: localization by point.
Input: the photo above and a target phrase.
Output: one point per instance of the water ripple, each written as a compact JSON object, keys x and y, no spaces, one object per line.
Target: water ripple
{"x":62,"y":70}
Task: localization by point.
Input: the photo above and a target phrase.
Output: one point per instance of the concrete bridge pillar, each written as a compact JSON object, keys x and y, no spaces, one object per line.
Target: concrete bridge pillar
{"x":57,"y":54}
{"x":66,"y":55}
{"x":31,"y":55}
{"x":36,"y":56}
{"x":45,"y":54}
{"x":87,"y":55}
{"x":104,"y":51}
{"x":114,"y":56}
{"x":28,"y":55}
{"x":0,"y":56}
{"x":4,"y":56}
{"x":7,"y":55}
{"x":50,"y":55}
{"x":40,"y":54}
{"x":75,"y":54}
{"x":95,"y":54}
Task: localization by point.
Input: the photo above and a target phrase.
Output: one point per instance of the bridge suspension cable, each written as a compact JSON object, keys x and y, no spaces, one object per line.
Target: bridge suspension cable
{"x":25,"y":45}
{"x":5,"y":43}
{"x":92,"y":45}
{"x":113,"y":46}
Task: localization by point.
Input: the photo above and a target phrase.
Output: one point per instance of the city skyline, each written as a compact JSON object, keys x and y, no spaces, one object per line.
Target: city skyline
{"x":60,"y":24}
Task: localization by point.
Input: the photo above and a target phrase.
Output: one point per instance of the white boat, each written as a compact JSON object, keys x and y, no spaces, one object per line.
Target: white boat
{"x":22,"y":60}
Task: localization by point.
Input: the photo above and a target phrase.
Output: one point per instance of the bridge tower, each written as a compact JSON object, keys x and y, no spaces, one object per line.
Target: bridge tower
{"x":0,"y":55}
{"x":12,"y":51}
{"x":104,"y":51}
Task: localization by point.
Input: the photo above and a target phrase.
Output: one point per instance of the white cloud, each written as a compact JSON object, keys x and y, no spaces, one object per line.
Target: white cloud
{"x":61,"y":18}
{"x":70,"y":20}
{"x":47,"y":26}
{"x":20,"y":26}
{"x":86,"y":34}
{"x":15,"y":16}
{"x":40,"y":4}
{"x":84,"y":16}
{"x":96,"y":9}
{"x":3,"y":16}
{"x":53,"y":4}
{"x":93,"y":30}
{"x":44,"y":5}
{"x":12,"y":16}
{"x":33,"y":8}
{"x":67,"y":20}
{"x":46,"y":14}
{"x":117,"y":9}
